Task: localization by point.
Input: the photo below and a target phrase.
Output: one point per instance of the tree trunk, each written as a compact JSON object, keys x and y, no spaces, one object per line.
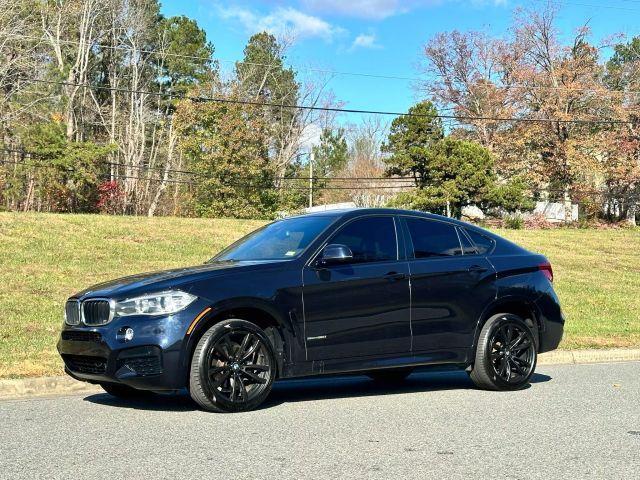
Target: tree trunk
{"x":631,"y":213}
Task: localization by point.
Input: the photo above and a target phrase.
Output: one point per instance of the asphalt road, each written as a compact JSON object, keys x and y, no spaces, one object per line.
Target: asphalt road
{"x":574,"y":422}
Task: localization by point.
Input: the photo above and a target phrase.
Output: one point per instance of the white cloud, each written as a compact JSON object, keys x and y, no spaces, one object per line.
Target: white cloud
{"x":381,"y":9}
{"x":374,"y":9}
{"x":282,"y":21}
{"x":369,"y":9}
{"x":365,"y":40}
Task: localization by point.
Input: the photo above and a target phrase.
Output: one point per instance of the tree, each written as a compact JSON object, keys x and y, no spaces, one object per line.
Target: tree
{"x":622,"y":67}
{"x":518,"y":96}
{"x":226,"y":144}
{"x":60,"y":176}
{"x":332,"y":154}
{"x":410,"y":140}
{"x":263,"y":77}
{"x":453,"y":173}
{"x":187,"y":56}
{"x":472,"y":74}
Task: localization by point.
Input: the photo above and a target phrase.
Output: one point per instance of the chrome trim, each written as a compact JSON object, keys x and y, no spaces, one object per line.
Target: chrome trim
{"x":79,"y":311}
{"x":112,"y":309}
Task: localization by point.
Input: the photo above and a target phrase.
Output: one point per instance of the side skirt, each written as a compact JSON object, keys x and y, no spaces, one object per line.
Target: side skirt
{"x":459,"y":356}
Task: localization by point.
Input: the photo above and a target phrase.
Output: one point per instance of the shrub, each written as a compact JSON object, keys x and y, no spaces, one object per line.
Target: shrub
{"x":514,"y":222}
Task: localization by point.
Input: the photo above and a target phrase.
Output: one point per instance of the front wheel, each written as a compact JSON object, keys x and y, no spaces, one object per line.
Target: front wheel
{"x":506,"y":354}
{"x":233,"y":367}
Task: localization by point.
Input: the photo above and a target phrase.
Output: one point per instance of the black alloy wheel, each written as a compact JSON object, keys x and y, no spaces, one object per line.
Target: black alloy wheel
{"x":512,"y":352}
{"x":233,"y":367}
{"x":506,"y":354}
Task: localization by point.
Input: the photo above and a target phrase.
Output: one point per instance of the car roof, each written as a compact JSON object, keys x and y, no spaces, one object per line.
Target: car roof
{"x":348,"y":213}
{"x":357,"y":212}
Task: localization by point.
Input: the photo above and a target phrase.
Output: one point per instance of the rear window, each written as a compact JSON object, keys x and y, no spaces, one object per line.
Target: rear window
{"x":483,"y":243}
{"x":433,"y":238}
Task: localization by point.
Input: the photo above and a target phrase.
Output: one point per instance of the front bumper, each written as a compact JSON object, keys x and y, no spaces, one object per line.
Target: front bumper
{"x":152,"y":360}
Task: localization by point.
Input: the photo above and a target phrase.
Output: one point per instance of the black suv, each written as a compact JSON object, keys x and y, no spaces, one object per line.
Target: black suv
{"x":375,"y":291}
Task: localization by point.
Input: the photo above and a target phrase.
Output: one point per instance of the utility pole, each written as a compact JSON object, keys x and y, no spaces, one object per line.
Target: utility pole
{"x":311,"y":179}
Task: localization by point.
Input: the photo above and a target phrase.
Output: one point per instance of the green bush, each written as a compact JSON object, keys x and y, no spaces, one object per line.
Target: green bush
{"x":514,"y":222}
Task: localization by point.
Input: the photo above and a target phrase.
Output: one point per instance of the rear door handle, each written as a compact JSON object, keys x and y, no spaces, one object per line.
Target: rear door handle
{"x":477,"y":269}
{"x":393,"y":276}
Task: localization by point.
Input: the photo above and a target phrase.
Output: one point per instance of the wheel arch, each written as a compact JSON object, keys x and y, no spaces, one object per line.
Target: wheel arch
{"x":253,"y":310}
{"x":524,"y":307}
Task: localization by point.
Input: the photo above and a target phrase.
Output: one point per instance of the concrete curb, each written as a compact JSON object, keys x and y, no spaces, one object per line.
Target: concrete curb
{"x":560,"y":357}
{"x":43,"y":386}
{"x":65,"y":385}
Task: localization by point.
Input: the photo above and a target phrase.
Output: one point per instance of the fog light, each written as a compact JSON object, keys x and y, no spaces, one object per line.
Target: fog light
{"x":128,"y":334}
{"x":125,"y":334}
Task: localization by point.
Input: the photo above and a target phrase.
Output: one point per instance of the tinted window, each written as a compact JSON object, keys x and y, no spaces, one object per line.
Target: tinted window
{"x":484,"y":244}
{"x":370,"y":239}
{"x":467,"y":247}
{"x":279,"y":240}
{"x":433,"y":239}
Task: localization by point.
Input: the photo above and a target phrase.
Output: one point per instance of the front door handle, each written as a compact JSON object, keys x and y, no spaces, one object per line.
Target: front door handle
{"x":394,"y":276}
{"x":477,"y":269}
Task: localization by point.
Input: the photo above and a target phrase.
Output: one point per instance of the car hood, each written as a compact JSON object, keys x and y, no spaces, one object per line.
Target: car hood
{"x":166,"y":279}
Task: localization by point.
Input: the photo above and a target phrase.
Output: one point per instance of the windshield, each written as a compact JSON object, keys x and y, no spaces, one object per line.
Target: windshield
{"x":281,"y":240}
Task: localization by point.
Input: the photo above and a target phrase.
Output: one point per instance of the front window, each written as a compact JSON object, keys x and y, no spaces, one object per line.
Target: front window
{"x":281,"y":240}
{"x":371,"y":239}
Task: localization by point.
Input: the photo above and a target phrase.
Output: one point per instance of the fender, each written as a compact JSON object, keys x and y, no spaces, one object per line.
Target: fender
{"x":285,"y":327}
{"x":521,"y":300}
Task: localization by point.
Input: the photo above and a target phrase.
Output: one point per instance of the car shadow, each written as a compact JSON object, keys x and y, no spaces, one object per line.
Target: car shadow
{"x":313,"y":389}
{"x":168,"y":402}
{"x":325,"y":388}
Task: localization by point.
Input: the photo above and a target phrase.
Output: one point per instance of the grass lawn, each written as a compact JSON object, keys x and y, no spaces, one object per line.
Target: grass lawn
{"x":44,"y":258}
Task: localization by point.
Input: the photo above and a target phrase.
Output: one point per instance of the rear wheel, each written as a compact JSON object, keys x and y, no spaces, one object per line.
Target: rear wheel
{"x":123,"y":391}
{"x":506,"y":354}
{"x":394,"y":375}
{"x":233,"y":367}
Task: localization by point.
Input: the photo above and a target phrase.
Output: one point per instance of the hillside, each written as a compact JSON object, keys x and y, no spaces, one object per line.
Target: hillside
{"x":47,"y":257}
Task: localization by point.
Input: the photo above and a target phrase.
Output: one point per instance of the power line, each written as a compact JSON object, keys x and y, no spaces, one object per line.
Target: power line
{"x":333,"y":109}
{"x":591,"y":5}
{"x":328,"y":71}
{"x":162,"y":169}
{"x":577,"y":191}
{"x":196,"y":57}
{"x":223,"y":183}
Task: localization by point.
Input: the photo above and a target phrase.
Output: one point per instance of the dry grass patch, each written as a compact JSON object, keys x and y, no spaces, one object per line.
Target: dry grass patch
{"x":45,"y":258}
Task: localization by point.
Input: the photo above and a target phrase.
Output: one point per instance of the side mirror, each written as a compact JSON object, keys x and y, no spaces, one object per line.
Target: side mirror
{"x":336,"y":253}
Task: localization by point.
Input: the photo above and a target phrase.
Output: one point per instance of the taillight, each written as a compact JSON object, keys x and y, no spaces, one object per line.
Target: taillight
{"x":546,"y":269}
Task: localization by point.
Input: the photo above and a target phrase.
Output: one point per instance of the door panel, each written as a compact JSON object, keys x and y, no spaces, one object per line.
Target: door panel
{"x":448,"y":296}
{"x":354,"y":310}
{"x":360,"y":308}
{"x":449,"y":289}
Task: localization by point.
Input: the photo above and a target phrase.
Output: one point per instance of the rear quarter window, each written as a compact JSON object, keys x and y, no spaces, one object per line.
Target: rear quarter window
{"x":482,"y":243}
{"x":431,"y":238}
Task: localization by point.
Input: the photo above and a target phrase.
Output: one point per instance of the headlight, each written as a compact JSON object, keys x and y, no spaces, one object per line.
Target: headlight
{"x":163,"y":303}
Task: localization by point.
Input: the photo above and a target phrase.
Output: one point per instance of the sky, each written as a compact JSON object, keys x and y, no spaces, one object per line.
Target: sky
{"x":379,"y":37}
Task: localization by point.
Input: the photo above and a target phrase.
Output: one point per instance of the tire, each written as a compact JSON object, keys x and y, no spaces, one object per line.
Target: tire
{"x":395,"y":375}
{"x":506,"y":354}
{"x":124,"y":391}
{"x":233,"y":367}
